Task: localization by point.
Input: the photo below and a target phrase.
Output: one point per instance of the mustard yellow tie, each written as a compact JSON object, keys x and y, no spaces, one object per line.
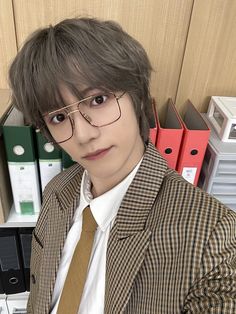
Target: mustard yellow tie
{"x":77,"y":273}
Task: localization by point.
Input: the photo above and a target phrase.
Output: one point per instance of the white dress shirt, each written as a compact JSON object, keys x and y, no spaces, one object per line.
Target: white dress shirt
{"x":104,"y":209}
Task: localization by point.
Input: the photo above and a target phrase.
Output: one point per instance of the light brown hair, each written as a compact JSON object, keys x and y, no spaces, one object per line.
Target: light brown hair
{"x":79,"y":52}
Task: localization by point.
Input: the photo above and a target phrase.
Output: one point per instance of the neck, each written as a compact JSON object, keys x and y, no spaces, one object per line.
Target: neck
{"x":102,"y":185}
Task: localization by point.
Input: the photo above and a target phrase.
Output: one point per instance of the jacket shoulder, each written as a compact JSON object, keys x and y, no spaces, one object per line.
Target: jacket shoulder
{"x":59,"y":182}
{"x":183,"y":196}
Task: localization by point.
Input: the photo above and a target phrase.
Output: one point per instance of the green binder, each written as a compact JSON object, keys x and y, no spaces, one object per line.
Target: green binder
{"x":22,"y":163}
{"x":67,"y":161}
{"x":6,"y":199}
{"x":50,"y":163}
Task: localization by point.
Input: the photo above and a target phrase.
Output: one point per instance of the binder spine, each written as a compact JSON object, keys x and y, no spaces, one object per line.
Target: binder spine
{"x":49,"y":157}
{"x":19,"y":143}
{"x":11,"y":262}
{"x":25,"y":238}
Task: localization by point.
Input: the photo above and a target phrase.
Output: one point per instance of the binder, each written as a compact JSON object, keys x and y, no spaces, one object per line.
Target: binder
{"x":169,"y":134}
{"x":153,"y":124}
{"x":22,"y":164}
{"x":25,"y":239}
{"x":6,"y":199}
{"x":194,"y":144}
{"x":1,"y":287}
{"x":11,"y":269}
{"x":49,"y":157}
{"x":67,"y":161}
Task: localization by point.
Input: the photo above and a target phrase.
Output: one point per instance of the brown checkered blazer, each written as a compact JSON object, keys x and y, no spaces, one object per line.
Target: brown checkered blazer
{"x":172,"y":248}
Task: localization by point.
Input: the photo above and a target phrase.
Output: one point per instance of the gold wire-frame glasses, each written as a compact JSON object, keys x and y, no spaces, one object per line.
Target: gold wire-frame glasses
{"x":98,"y":110}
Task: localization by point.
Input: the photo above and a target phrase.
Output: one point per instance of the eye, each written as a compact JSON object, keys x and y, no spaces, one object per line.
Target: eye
{"x":99,"y":100}
{"x":58,"y":118}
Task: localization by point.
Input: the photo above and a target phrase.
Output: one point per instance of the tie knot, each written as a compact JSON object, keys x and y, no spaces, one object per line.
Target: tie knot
{"x":89,"y":223}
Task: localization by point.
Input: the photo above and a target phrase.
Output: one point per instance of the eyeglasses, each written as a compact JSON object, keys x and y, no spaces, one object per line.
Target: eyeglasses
{"x":98,"y":110}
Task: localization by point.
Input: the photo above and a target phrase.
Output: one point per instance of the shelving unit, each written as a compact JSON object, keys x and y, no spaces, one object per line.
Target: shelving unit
{"x":14,"y":303}
{"x":218,"y":175}
{"x":17,"y":220}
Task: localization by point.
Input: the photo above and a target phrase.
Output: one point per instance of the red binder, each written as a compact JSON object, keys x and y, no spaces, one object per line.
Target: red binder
{"x":153,"y":124}
{"x":169,"y":135}
{"x":194,"y":144}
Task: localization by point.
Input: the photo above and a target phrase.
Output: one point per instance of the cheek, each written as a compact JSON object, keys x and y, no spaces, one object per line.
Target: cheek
{"x":129,"y":125}
{"x":69,"y":147}
{"x":128,"y":117}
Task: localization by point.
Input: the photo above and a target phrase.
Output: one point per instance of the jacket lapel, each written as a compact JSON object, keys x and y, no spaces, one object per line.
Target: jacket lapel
{"x":129,"y":237}
{"x":63,"y":206}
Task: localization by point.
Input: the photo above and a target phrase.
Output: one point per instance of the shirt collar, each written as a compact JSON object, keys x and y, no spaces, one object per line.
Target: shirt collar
{"x":105,"y":207}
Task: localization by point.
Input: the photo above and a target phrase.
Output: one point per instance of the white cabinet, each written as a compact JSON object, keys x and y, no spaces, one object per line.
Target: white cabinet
{"x":14,"y":303}
{"x":17,"y":303}
{"x":3,"y":305}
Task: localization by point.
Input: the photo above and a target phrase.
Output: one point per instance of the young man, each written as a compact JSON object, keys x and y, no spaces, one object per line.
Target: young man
{"x":155,"y":243}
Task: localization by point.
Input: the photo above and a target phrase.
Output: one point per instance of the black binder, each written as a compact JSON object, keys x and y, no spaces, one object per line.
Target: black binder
{"x":1,"y":287}
{"x":25,"y":236}
{"x":11,"y":268}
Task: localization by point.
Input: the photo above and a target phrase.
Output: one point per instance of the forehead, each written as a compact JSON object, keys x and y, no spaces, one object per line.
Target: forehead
{"x":68,"y":96}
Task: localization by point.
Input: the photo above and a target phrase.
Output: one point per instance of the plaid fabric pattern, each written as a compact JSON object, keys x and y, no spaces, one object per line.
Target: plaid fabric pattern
{"x":172,"y":248}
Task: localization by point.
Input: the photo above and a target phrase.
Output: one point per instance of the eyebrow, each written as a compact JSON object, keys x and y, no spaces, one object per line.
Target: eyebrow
{"x":68,"y":106}
{"x":82,"y":92}
{"x":86,"y":90}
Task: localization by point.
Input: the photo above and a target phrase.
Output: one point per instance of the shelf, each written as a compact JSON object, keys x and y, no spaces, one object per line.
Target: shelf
{"x":17,"y":220}
{"x":21,"y":295}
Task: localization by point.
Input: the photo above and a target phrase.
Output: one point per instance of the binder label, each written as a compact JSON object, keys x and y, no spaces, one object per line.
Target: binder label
{"x":189,"y":173}
{"x":25,"y":187}
{"x":48,"y":170}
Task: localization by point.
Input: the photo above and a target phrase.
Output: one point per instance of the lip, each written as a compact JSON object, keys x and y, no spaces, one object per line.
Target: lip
{"x":97,"y":154}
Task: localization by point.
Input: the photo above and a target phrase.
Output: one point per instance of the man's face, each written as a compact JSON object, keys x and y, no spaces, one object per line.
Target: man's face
{"x":109,"y":152}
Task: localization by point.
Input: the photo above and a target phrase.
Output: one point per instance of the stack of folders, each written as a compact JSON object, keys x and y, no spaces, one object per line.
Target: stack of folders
{"x":27,"y":163}
{"x":183,"y":142}
{"x":15,"y":252}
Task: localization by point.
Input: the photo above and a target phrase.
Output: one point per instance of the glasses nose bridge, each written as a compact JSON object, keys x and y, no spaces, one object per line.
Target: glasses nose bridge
{"x":83,"y":115}
{"x":74,"y":111}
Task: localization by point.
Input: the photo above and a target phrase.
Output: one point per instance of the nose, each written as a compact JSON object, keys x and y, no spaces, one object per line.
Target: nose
{"x":84,"y":132}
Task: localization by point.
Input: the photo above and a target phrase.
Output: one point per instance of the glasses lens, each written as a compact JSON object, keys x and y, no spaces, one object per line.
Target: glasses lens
{"x":100,"y":109}
{"x":60,"y":126}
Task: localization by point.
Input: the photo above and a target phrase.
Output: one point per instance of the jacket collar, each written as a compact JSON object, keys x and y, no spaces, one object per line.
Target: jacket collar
{"x":130,"y":235}
{"x":69,"y":191}
{"x":138,"y":200}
